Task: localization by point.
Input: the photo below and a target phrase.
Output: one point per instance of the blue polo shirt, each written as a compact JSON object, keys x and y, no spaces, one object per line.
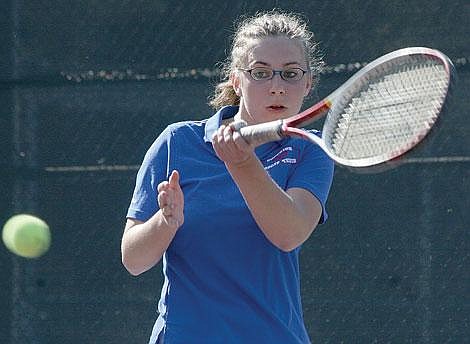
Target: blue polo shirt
{"x":224,"y":281}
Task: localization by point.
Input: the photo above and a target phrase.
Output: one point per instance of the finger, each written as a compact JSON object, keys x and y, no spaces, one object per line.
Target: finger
{"x":237,"y":125}
{"x":240,"y":141}
{"x":174,"y":179}
{"x":227,"y":133}
{"x":163,"y":186}
{"x":163,"y":199}
{"x":220,"y":132}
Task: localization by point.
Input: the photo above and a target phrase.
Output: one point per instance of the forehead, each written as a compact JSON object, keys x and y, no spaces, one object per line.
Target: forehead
{"x":276,"y":51}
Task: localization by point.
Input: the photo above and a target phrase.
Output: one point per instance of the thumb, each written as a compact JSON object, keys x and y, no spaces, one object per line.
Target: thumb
{"x":174,"y":179}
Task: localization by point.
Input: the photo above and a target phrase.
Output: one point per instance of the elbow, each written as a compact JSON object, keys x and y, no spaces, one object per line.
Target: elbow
{"x":137,"y":264}
{"x":288,"y":243}
{"x":288,"y":246}
{"x":133,"y":272}
{"x":131,"y":268}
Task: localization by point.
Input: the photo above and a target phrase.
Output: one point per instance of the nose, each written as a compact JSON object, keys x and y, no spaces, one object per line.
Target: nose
{"x":277,"y":85}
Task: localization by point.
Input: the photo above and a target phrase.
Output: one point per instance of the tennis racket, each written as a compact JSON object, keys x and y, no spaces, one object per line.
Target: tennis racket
{"x":383,"y":111}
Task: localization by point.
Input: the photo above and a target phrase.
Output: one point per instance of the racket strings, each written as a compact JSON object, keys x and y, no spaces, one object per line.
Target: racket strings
{"x":393,"y":112}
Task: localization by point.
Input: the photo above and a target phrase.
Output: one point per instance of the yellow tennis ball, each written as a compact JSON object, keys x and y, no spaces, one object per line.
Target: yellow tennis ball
{"x":26,"y":236}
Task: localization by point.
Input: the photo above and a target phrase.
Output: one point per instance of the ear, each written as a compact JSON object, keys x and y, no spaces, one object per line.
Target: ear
{"x":235,"y":80}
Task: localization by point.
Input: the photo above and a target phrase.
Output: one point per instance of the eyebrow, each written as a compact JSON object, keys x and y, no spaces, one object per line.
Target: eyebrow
{"x":268,"y":65}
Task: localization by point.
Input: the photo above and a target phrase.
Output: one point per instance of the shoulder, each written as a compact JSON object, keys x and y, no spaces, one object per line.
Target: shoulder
{"x":180,"y":129}
{"x":184,"y":126}
{"x":167,"y":135}
{"x":179,"y":136}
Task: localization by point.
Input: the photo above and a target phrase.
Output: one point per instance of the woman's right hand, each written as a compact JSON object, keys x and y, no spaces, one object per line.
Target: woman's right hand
{"x":231,"y":148}
{"x":171,"y":200}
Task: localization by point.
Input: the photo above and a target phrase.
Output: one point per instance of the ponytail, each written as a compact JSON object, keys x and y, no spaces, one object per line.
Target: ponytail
{"x":224,"y":94}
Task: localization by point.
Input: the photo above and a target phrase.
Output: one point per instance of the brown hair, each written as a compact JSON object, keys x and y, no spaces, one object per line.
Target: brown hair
{"x":267,"y":24}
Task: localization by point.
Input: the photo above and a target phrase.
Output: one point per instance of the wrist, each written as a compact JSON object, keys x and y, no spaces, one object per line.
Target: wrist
{"x":251,"y":160}
{"x":166,"y":223}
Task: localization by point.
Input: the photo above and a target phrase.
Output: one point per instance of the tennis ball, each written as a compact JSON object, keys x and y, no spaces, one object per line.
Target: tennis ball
{"x":26,"y":236}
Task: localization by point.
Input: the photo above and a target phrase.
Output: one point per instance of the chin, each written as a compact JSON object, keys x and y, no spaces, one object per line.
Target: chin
{"x":277,"y":114}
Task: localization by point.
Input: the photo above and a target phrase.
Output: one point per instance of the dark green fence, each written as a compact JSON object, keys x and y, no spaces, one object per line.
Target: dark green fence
{"x":86,"y":86}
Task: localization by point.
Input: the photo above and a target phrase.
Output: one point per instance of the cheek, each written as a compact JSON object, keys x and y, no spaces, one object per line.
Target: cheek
{"x":253,"y":92}
{"x":304,"y":90}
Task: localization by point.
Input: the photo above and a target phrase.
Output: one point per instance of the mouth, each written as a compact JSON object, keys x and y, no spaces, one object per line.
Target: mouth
{"x":276,"y":107}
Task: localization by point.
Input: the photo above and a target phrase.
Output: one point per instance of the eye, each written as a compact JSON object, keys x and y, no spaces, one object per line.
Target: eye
{"x":261,"y":73}
{"x":292,"y":74}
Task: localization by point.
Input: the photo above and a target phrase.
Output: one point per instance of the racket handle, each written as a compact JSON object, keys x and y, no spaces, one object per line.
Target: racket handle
{"x":260,"y":133}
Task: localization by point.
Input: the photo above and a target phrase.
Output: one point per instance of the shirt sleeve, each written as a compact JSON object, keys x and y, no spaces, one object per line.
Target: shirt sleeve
{"x":314,"y":173}
{"x":154,"y":170}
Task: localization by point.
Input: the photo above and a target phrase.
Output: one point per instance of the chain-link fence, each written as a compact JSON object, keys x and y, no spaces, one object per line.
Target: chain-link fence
{"x":87,"y":86}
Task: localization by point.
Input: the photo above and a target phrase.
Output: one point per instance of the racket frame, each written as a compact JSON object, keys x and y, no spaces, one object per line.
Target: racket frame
{"x":276,"y":130}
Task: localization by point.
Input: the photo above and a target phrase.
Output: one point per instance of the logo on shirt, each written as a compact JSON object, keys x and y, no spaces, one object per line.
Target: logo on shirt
{"x":281,"y":157}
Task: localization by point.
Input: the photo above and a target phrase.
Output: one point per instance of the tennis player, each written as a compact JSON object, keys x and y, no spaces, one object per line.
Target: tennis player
{"x":229,"y":218}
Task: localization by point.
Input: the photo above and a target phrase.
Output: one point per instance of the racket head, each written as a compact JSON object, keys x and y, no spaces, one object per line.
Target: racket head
{"x":388,"y":107}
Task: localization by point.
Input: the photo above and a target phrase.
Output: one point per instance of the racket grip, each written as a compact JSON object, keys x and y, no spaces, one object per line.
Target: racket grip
{"x":260,"y":133}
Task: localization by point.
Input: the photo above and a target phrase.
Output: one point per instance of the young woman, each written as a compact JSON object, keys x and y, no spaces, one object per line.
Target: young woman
{"x":229,"y":218}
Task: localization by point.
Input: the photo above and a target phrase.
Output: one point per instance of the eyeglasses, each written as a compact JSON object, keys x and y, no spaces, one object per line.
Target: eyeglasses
{"x":264,"y":73}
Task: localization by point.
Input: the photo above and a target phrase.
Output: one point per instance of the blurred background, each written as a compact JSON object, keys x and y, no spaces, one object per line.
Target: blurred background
{"x":85,"y":88}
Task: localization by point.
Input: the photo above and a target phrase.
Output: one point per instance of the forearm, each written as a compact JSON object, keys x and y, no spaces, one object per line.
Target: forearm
{"x":143,"y":244}
{"x":286,"y":221}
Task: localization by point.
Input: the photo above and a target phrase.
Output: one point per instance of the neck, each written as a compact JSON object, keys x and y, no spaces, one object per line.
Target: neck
{"x":243,"y":115}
